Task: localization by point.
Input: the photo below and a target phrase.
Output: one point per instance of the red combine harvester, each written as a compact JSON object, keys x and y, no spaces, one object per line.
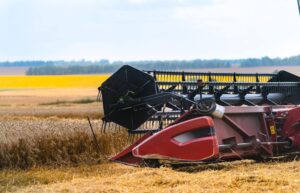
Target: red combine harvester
{"x":191,"y":117}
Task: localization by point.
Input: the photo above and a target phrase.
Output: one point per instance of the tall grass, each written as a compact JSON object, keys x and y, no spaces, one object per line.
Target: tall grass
{"x":55,"y":150}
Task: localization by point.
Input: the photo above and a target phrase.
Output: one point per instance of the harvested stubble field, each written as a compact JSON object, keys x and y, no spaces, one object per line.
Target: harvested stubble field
{"x":240,"y":176}
{"x":46,"y":146}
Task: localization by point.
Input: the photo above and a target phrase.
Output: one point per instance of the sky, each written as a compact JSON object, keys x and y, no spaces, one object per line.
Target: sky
{"x":147,"y":29}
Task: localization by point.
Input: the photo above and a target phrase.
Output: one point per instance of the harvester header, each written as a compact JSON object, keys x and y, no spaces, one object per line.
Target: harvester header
{"x":188,"y":117}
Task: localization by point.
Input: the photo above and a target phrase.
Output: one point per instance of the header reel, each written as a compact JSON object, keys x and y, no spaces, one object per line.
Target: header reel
{"x":132,"y":97}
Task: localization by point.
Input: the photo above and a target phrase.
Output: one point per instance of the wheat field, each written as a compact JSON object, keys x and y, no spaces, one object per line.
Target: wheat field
{"x":46,"y":145}
{"x":238,"y":176}
{"x":55,"y":154}
{"x":58,"y":154}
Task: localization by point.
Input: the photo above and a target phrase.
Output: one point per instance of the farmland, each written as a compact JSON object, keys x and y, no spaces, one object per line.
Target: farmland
{"x":11,"y":80}
{"x":71,"y":81}
{"x":55,"y":154}
{"x":46,"y":146}
{"x":243,"y":176}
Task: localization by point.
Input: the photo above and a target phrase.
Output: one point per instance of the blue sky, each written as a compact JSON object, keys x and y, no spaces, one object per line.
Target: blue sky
{"x":147,"y":29}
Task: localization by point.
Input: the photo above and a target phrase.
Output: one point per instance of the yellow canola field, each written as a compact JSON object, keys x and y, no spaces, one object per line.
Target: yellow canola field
{"x":92,"y":81}
{"x":59,"y":81}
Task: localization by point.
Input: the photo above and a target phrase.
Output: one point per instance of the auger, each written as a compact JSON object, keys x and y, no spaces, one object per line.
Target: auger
{"x":195,"y":117}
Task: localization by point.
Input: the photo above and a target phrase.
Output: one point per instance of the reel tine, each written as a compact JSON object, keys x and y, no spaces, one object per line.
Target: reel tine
{"x":135,"y":137}
{"x":113,"y":127}
{"x":108,"y":125}
{"x":128,"y":137}
{"x":101,"y":128}
{"x":132,"y":138}
{"x":100,"y":97}
{"x":104,"y":127}
{"x":99,"y":94}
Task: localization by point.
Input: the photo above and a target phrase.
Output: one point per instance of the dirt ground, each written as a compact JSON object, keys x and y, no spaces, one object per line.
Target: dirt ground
{"x":67,"y":103}
{"x":29,"y":97}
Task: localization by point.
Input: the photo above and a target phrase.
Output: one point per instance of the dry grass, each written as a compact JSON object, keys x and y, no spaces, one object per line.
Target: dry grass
{"x":66,"y":103}
{"x":244,"y":176}
{"x":30,"y":97}
{"x":14,"y":128}
{"x":74,"y":148}
{"x":31,"y":141}
{"x":60,"y":156}
{"x":62,"y":111}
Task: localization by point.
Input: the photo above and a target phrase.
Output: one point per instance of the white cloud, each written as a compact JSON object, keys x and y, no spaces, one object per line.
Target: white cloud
{"x":148,"y":29}
{"x":137,"y":1}
{"x":254,"y":27}
{"x":3,"y":6}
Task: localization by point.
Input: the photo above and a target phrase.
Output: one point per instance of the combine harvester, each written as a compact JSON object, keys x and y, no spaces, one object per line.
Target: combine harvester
{"x":191,"y":117}
{"x":195,"y":117}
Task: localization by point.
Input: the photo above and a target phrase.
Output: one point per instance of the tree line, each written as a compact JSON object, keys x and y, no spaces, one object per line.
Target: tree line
{"x":108,"y":68}
{"x":266,"y":61}
{"x":105,"y":66}
{"x":37,"y":63}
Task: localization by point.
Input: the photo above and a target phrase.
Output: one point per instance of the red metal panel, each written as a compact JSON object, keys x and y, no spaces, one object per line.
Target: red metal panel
{"x":291,"y":127}
{"x":126,"y":156}
{"x":239,"y":126}
{"x":162,"y":145}
{"x":236,"y":128}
